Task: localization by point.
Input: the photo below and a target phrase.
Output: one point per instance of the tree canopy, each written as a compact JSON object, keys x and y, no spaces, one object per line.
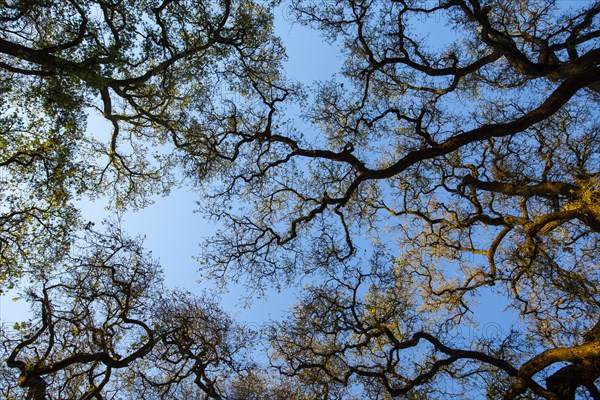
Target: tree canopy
{"x":430,"y":172}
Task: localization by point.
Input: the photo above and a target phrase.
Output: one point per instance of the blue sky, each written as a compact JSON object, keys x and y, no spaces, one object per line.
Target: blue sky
{"x":173,"y":230}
